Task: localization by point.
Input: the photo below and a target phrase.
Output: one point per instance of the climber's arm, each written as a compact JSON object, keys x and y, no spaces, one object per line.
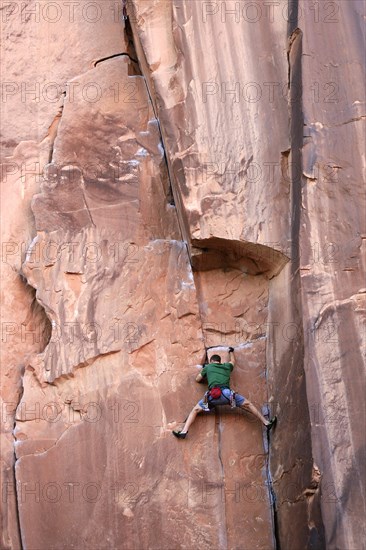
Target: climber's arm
{"x":201,"y":375}
{"x":231,"y":357}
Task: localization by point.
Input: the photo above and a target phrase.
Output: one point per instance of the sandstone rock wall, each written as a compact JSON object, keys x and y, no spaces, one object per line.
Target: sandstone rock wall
{"x":35,"y":65}
{"x":188,"y":178}
{"x":332,"y":241}
{"x":234,"y":140}
{"x":321,"y":240}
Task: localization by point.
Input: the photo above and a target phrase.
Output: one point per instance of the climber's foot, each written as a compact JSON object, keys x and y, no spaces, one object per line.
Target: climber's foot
{"x":180,"y":435}
{"x":272,"y":423}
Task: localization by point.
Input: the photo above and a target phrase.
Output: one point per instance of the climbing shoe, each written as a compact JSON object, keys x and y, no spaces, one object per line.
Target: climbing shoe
{"x":180,"y":435}
{"x":272,"y":424}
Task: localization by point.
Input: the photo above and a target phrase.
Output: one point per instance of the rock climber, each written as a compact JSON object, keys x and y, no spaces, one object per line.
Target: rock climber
{"x":219,"y":393}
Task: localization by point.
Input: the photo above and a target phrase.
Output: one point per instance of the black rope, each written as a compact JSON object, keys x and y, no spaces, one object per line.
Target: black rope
{"x":115,"y":55}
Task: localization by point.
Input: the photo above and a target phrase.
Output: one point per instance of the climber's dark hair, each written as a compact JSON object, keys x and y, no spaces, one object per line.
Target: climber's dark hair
{"x":216,"y":359}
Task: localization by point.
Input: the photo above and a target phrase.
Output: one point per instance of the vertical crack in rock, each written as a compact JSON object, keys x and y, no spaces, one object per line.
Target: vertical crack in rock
{"x":86,"y":203}
{"x":133,"y":51}
{"x":293,"y":20}
{"x":292,"y":162}
{"x":223,"y":537}
{"x":272,"y":496}
{"x":16,"y":492}
{"x":171,"y":198}
{"x":269,"y":481}
{"x":36,"y":316}
{"x":14,"y":477}
{"x":175,"y":199}
{"x":296,"y":133}
{"x":53,"y":128}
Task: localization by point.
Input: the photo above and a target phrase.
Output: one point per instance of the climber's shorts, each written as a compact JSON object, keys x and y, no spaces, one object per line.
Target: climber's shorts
{"x":224,"y":399}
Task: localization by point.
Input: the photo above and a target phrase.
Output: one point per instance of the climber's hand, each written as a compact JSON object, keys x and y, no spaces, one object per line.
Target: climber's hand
{"x":231,"y":349}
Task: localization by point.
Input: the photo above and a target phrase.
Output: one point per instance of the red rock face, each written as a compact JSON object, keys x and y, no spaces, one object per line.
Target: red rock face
{"x":194,"y":182}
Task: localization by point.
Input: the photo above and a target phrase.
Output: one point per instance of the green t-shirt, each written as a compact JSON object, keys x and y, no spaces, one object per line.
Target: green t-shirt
{"x":218,"y":374}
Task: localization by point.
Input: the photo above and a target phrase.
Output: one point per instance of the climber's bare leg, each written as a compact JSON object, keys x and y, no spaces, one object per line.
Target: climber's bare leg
{"x":247,"y":405}
{"x":191,"y":418}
